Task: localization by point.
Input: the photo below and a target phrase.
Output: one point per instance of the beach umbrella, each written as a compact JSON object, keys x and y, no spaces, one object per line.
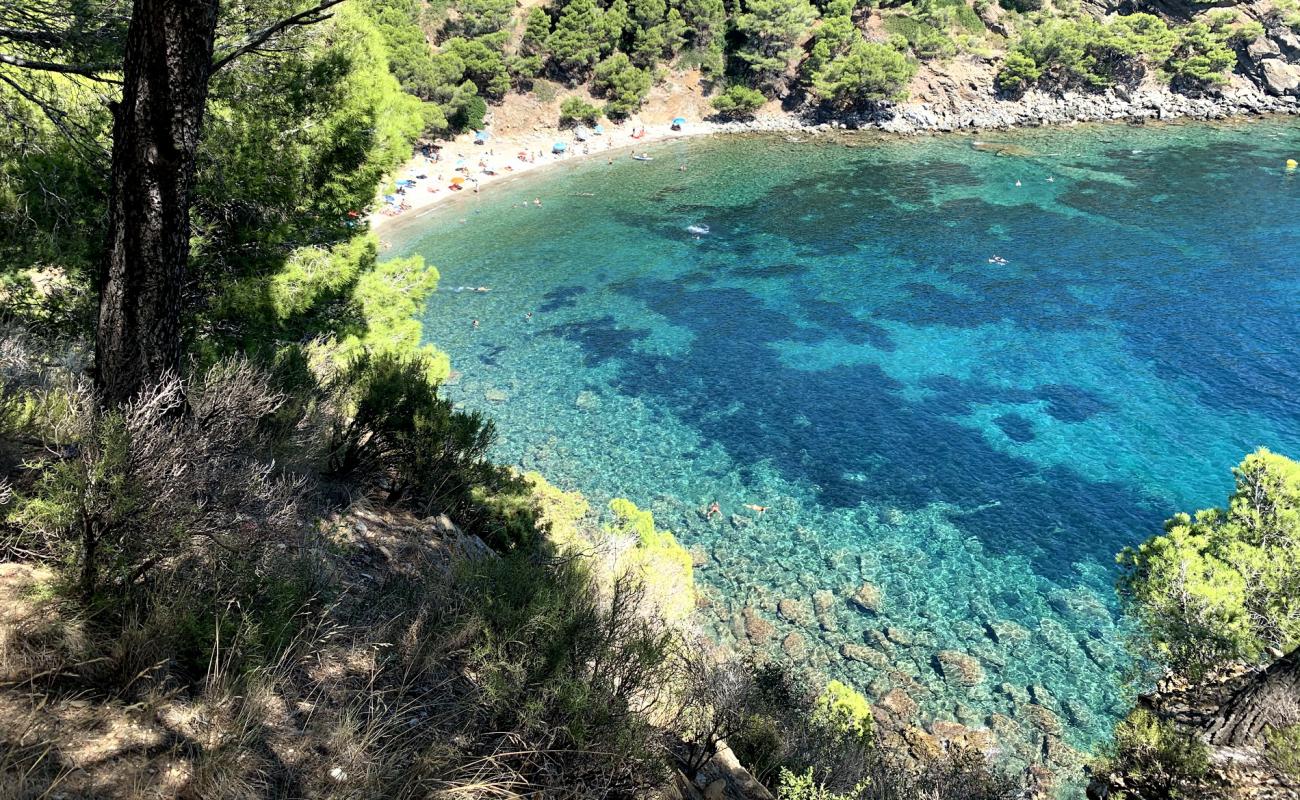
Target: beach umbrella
{"x":480,"y":137}
{"x":679,"y":122}
{"x":388,"y":198}
{"x":559,"y":147}
{"x":599,"y":130}
{"x":457,"y":181}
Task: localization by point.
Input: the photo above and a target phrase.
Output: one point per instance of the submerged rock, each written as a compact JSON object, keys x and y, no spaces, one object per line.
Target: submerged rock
{"x":824,"y":609}
{"x":794,"y":647}
{"x":959,"y":667}
{"x":899,"y":636}
{"x":1040,"y":718}
{"x":757,"y":629}
{"x":899,"y":703}
{"x":865,"y":655}
{"x":868,"y":598}
{"x":792,"y":611}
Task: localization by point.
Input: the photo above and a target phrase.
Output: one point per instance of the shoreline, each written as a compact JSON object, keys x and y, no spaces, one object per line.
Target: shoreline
{"x":989,"y":114}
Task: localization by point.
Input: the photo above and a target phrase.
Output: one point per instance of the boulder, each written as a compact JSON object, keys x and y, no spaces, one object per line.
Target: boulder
{"x":794,"y":647}
{"x":792,"y":611}
{"x":757,"y":629}
{"x":867,"y":597}
{"x":1041,"y":718}
{"x":899,"y":637}
{"x":865,"y":655}
{"x":1279,"y":78}
{"x":959,"y":667}
{"x":824,"y":609}
{"x":899,"y":703}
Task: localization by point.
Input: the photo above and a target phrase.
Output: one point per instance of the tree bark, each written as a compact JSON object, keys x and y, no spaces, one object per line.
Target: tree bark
{"x":1271,"y":699}
{"x":156,"y":130}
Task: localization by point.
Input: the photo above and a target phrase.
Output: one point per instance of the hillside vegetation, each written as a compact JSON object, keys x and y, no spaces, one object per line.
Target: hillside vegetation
{"x":832,"y":56}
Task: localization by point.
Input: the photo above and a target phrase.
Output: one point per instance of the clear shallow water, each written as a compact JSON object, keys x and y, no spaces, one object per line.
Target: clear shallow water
{"x":977,"y":440}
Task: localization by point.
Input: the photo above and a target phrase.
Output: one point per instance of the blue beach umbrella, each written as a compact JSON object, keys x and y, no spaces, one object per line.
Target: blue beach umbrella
{"x":679,"y":122}
{"x":559,"y":147}
{"x":599,"y":130}
{"x":480,"y":137}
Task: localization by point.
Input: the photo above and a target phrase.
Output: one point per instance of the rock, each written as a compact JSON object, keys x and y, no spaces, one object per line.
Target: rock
{"x":792,"y":611}
{"x":495,"y":396}
{"x":1005,"y":632}
{"x":878,"y":640}
{"x":1015,"y":693}
{"x":587,"y":399}
{"x":1042,"y":697}
{"x":1279,"y":77}
{"x":1040,"y":718}
{"x":699,"y":557}
{"x":946,"y":731}
{"x":716,"y":790}
{"x":824,"y":610}
{"x":921,"y":745}
{"x":794,"y":647}
{"x":899,"y":703}
{"x":865,"y":655}
{"x":959,"y":667}
{"x":867,"y":598}
{"x":1003,"y":727}
{"x":757,"y":629}
{"x":899,"y":637}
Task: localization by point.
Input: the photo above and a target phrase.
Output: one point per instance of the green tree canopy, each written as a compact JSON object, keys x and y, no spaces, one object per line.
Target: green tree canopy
{"x":1223,"y":585}
{"x":772,"y":29}
{"x":869,"y":72}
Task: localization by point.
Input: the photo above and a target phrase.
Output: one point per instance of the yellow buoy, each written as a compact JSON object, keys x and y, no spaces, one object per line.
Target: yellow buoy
{"x":1291,"y":163}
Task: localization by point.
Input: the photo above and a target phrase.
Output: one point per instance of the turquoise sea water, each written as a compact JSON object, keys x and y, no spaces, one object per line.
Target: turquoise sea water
{"x":975,"y":439}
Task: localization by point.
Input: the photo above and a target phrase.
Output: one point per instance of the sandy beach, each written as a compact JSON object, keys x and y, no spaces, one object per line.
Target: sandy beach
{"x":497,"y":160}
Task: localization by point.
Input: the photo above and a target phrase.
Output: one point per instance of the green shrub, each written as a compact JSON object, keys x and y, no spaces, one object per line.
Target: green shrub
{"x":1283,"y":749}
{"x":1155,"y":759}
{"x":623,"y":85}
{"x":868,"y":73}
{"x":738,"y":102}
{"x":575,"y":110}
{"x":1201,"y":59}
{"x":393,"y":433}
{"x":663,"y":565}
{"x":566,"y":669}
{"x":1218,"y":587}
{"x":842,"y":711}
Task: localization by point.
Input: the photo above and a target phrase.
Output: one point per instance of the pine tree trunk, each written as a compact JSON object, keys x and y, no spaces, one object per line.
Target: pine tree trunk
{"x":156,"y":129}
{"x":1271,"y":699}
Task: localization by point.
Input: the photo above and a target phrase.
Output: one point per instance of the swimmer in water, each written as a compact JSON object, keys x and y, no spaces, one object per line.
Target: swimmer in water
{"x":537,"y":201}
{"x":482,"y":289}
{"x":529,"y":315}
{"x":714,"y":508}
{"x":475,"y":324}
{"x":759,"y":509}
{"x":1050,"y":179}
{"x":1017,"y":183}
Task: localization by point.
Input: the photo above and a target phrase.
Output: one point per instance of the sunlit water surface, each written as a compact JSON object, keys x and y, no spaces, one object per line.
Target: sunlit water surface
{"x":975,"y":439}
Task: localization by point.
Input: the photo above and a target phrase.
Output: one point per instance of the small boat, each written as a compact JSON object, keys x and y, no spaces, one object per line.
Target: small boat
{"x":642,"y":158}
{"x":698,"y":230}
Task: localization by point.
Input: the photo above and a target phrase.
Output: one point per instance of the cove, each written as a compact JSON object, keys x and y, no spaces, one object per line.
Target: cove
{"x":975,"y":439}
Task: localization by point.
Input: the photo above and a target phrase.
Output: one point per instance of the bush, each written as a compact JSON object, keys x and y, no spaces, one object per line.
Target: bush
{"x":1218,"y":587}
{"x":868,"y":73}
{"x":738,"y":102}
{"x":624,"y":85}
{"x":1283,"y":749}
{"x":1155,"y":759}
{"x":568,"y":672}
{"x":394,"y":434}
{"x":575,"y":110}
{"x":658,"y":561}
{"x":182,"y":473}
{"x":1201,"y":59}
